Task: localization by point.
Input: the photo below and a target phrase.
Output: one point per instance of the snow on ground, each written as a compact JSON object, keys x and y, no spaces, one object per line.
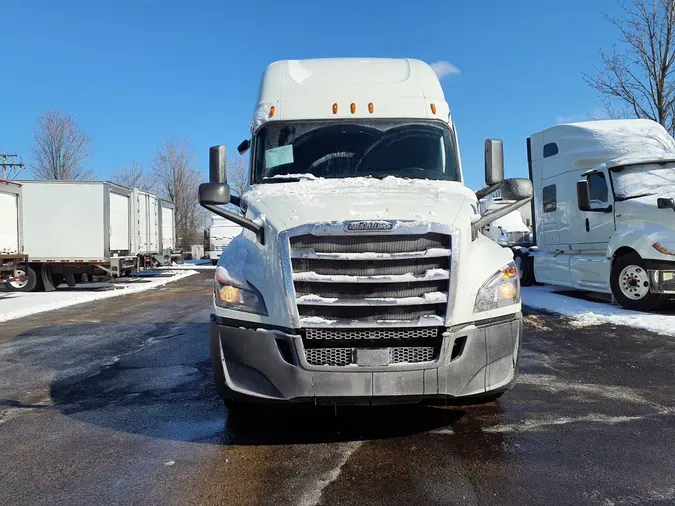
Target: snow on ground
{"x":199,"y":265}
{"x":585,"y":312}
{"x":17,"y":305}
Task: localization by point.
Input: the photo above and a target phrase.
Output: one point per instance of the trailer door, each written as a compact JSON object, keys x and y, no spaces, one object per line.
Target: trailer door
{"x":168,"y":239}
{"x":153,"y":222}
{"x":142,"y":222}
{"x":9,"y":223}
{"x":119,"y":222}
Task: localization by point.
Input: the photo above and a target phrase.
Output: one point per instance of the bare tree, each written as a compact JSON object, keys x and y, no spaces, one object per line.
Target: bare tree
{"x":635,"y":77}
{"x":237,"y":174}
{"x":60,"y":148}
{"x":133,"y":175}
{"x":177,"y":179}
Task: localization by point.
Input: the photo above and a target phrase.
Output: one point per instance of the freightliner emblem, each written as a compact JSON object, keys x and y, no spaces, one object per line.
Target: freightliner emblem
{"x":357,"y":226}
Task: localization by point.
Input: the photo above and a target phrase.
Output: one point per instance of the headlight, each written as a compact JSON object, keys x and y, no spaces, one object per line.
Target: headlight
{"x":237,"y":294}
{"x":667,"y":248}
{"x":502,"y":289}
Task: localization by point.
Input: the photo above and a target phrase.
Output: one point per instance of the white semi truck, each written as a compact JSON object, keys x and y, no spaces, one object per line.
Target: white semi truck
{"x":77,"y":228}
{"x":361,"y":274}
{"x":604,"y":209}
{"x":220,"y":234}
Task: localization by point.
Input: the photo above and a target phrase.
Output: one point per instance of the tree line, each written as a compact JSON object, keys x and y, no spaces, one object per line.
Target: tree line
{"x":61,"y":150}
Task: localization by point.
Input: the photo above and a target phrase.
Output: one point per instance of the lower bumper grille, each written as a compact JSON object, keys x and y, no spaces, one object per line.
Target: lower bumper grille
{"x":375,"y":333}
{"x":340,"y":357}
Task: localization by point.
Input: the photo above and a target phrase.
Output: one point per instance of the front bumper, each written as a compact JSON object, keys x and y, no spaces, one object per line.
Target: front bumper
{"x":662,"y":276}
{"x":270,"y":365}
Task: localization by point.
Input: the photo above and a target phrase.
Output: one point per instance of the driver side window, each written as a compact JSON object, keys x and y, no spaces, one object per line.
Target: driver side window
{"x":599,"y":189}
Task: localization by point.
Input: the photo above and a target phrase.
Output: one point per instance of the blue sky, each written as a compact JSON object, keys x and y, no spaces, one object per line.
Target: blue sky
{"x":134,"y":72}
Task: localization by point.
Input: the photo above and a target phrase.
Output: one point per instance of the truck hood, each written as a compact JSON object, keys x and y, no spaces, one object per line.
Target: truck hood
{"x":644,"y":211}
{"x":291,"y":204}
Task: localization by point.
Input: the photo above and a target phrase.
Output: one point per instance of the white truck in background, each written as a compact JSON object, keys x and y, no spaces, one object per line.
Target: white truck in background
{"x":510,"y":231}
{"x":361,"y":275}
{"x":220,"y":234}
{"x":78,"y":228}
{"x":12,"y":256}
{"x":604,"y":209}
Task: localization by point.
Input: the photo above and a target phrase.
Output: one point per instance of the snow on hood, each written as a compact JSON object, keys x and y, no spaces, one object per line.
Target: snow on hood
{"x":335,"y":200}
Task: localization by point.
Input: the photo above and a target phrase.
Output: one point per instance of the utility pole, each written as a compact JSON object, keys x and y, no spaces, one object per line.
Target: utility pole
{"x":9,"y":165}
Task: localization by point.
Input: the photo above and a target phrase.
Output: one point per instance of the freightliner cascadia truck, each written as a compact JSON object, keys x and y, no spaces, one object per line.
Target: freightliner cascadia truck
{"x":361,"y":275}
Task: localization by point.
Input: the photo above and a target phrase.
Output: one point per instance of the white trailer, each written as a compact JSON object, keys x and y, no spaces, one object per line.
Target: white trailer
{"x":220,"y":234}
{"x":604,"y":209}
{"x":167,"y":232}
{"x":12,"y":255}
{"x":75,"y":227}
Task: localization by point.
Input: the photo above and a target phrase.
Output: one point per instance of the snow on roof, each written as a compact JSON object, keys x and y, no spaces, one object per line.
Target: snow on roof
{"x":585,"y":145}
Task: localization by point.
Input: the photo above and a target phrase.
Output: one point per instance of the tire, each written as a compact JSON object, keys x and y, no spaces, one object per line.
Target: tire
{"x":630,"y":284}
{"x":214,"y":262}
{"x":30,"y":284}
{"x":525,"y":266}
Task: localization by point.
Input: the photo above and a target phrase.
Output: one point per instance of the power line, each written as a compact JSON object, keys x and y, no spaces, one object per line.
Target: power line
{"x":9,"y":165}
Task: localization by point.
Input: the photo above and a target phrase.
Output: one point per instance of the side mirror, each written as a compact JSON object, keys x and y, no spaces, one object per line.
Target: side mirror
{"x":217,"y":165}
{"x":583,"y":195}
{"x":665,"y":203}
{"x":494,"y":161}
{"x":243,"y":147}
{"x":214,"y":194}
{"x":516,"y":189}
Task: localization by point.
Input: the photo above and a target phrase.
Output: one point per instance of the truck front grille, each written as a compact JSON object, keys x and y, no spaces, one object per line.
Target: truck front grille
{"x":345,"y":280}
{"x":374,"y":334}
{"x":341,"y":357}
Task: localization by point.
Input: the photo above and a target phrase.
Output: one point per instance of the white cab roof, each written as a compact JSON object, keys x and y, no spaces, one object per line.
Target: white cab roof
{"x":307,"y":89}
{"x":586,"y":145}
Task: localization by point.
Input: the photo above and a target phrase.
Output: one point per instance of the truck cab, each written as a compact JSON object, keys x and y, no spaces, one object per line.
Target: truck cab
{"x":361,"y":275}
{"x":604,"y":209}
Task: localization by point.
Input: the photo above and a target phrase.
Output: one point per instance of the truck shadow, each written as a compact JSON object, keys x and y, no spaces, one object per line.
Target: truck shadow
{"x":155,"y":380}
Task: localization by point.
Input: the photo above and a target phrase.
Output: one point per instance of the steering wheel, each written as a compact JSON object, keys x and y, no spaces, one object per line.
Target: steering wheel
{"x":396,"y":135}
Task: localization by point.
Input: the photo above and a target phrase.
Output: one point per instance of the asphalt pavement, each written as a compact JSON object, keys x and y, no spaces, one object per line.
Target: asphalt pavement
{"x":112,"y":402}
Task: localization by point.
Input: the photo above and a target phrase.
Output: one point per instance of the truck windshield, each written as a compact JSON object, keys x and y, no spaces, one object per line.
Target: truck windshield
{"x":344,"y":149}
{"x":640,"y":180}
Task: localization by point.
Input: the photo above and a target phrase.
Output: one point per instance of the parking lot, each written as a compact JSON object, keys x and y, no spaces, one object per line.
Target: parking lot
{"x":111,"y":402}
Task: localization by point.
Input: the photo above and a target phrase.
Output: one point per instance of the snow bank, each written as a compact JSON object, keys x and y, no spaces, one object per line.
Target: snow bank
{"x":595,"y":313}
{"x":15,"y":305}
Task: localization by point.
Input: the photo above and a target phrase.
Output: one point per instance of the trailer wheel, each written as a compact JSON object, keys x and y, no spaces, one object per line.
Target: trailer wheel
{"x":631,"y":284}
{"x":525,"y":265}
{"x":29,"y":283}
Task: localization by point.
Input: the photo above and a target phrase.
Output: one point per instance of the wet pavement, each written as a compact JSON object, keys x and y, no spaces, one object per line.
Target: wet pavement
{"x":112,"y":403}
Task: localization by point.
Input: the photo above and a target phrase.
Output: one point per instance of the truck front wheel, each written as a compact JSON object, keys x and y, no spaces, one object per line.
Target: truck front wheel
{"x":631,"y":284}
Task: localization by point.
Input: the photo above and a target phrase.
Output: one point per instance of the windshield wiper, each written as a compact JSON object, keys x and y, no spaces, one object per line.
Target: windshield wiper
{"x":289,"y":178}
{"x":623,"y":199}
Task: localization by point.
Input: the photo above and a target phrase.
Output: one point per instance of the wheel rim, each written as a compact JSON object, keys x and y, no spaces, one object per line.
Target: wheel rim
{"x":634,"y":282}
{"x":519,"y":265}
{"x":19,"y":284}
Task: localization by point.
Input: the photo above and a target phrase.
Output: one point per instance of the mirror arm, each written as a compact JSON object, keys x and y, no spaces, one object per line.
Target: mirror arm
{"x":489,"y":218}
{"x":239,"y":220}
{"x":235,"y":200}
{"x":487,"y":191}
